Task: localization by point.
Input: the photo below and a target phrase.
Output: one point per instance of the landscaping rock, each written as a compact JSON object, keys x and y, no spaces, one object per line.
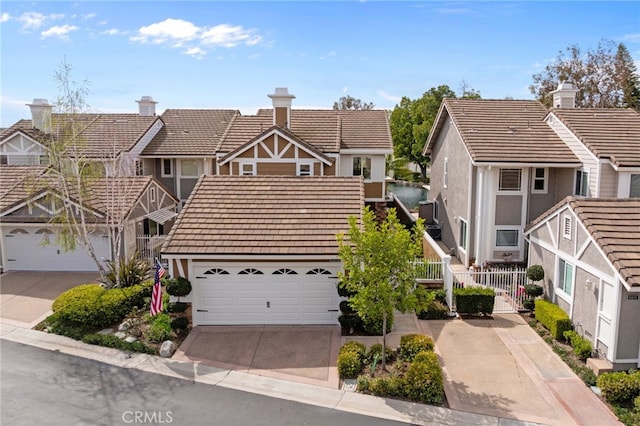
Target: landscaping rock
{"x":106,"y":331}
{"x":130,"y":339}
{"x":120,"y":334}
{"x":167,"y":349}
{"x":123,"y":327}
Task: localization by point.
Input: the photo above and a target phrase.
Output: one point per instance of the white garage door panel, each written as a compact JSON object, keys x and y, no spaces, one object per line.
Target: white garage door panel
{"x":25,"y":252}
{"x":241,"y":299}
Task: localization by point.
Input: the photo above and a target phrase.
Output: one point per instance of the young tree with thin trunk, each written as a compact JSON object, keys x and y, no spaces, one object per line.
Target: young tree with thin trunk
{"x":379,"y":267}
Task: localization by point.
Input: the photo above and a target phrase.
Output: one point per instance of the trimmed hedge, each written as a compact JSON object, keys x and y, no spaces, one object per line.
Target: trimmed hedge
{"x":179,"y":323}
{"x":349,"y":364}
{"x":413,"y":344}
{"x":434,"y":310}
{"x":353,"y":346}
{"x":93,"y":306}
{"x":424,"y":380}
{"x":474,"y":300}
{"x":373,"y":326}
{"x":111,"y":341}
{"x":176,"y":307}
{"x":581,"y":346}
{"x":619,"y":386}
{"x":553,"y":318}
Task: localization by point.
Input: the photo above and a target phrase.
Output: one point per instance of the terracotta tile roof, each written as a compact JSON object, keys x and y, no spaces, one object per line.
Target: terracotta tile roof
{"x":503,"y":131}
{"x":17,"y":184}
{"x":102,"y":134}
{"x":265,"y":215}
{"x":190,"y":132}
{"x":327,"y":130}
{"x":114,"y":196}
{"x":614,"y":224}
{"x":607,"y":132}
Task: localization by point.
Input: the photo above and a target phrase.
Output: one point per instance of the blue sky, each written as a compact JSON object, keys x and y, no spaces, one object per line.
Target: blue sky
{"x":215,"y":54}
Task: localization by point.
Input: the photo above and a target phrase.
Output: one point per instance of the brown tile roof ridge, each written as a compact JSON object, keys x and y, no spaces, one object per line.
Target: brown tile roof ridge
{"x":612,"y":133}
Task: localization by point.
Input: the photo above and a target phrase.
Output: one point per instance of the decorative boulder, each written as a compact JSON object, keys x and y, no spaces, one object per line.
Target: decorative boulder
{"x":167,"y":349}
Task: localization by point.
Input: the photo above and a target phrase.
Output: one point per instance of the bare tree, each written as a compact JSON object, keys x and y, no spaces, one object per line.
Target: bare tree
{"x":348,"y":102}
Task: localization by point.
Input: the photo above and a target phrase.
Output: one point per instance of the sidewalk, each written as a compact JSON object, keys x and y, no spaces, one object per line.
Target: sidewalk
{"x":417,"y":414}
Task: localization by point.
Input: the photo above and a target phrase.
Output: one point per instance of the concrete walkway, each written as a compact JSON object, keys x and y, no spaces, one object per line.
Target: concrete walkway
{"x":501,"y":367}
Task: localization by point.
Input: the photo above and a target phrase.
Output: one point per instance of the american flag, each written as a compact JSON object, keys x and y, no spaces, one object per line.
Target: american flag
{"x":156,"y":295}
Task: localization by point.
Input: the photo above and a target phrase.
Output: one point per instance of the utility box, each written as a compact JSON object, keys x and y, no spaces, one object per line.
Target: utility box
{"x":427,"y":212}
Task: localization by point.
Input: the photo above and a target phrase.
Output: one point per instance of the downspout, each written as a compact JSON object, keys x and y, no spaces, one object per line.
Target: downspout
{"x":478,"y":246}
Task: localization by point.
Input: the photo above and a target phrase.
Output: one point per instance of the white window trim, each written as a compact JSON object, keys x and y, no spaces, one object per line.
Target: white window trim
{"x":241,"y":166}
{"x":631,"y":183}
{"x":507,"y":228}
{"x":445,"y":177}
{"x":162,"y":173}
{"x":463,"y":244}
{"x":559,"y":290}
{"x":510,"y":191}
{"x":299,"y":167}
{"x":567,"y":227}
{"x":152,"y":195}
{"x":363,"y":158}
{"x":545,"y":179}
{"x":583,"y":173}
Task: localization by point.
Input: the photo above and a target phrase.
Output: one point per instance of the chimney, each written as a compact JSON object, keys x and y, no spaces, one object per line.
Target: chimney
{"x":565,"y":95}
{"x":147,"y":106}
{"x":282,"y":107}
{"x":41,"y":114}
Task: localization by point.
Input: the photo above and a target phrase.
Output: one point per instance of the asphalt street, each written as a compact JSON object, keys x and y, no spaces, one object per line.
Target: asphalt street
{"x":47,"y":387}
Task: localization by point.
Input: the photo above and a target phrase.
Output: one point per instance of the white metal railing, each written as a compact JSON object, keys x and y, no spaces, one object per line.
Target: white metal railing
{"x":429,"y":270}
{"x":507,"y":283}
{"x":149,"y":247}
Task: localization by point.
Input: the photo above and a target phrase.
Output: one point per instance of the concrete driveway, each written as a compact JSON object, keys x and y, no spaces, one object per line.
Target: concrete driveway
{"x":304,"y":354}
{"x":26,"y":297}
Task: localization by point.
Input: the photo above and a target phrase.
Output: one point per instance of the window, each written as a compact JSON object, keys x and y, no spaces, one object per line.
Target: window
{"x":247,"y":169}
{"x":152,"y":195}
{"x":566,"y":227}
{"x":305,"y":169}
{"x":318,"y":271}
{"x":539,"y":180}
{"x":463,"y":234}
{"x":634,"y":186}
{"x":4,"y":160}
{"x":285,"y":271}
{"x":582,"y":183}
{"x":217,"y":271}
{"x":139,"y":168}
{"x":167,"y":169}
{"x":445,"y":178}
{"x":251,"y":271}
{"x":189,"y":168}
{"x":509,"y":180}
{"x":362,"y":167}
{"x":565,"y":277}
{"x":507,"y":238}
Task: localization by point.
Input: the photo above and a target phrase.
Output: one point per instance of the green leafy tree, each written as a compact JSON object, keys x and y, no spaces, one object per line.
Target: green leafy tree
{"x":348,"y":102}
{"x":411,"y":122}
{"x":606,"y":76}
{"x":379,"y":268}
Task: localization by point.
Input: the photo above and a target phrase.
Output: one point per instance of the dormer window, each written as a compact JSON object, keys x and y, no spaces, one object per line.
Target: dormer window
{"x":510,"y":180}
{"x":362,"y":167}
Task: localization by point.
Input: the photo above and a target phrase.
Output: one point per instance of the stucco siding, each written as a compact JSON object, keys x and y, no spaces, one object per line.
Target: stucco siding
{"x":594,"y":258}
{"x":508,"y":210}
{"x":585,"y":304}
{"x":629,"y":336}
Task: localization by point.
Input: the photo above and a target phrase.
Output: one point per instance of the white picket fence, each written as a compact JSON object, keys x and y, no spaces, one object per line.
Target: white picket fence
{"x":149,"y":247}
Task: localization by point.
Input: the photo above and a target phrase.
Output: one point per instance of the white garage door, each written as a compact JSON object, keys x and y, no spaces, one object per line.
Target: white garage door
{"x":265,"y":295}
{"x":25,"y":251}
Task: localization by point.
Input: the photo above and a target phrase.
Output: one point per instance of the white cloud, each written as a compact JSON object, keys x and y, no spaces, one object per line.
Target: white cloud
{"x":4,"y":17}
{"x":113,"y":31}
{"x":387,"y":97}
{"x":90,"y":15}
{"x":345,"y":89}
{"x":31,"y":20}
{"x":177,"y":32}
{"x":196,"y":52}
{"x":329,"y":55}
{"x":61,"y":32}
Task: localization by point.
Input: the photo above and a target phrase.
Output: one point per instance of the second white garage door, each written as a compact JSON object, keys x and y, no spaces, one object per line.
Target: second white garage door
{"x":247,"y":295}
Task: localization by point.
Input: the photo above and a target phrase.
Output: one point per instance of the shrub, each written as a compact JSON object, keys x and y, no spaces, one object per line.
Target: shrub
{"x":424,"y":381}
{"x":357,"y":347}
{"x":349,"y":364}
{"x":343,"y":291}
{"x":581,"y":346}
{"x":346,"y":308}
{"x":93,"y":306}
{"x":376,"y":351}
{"x":131,"y":271}
{"x":180,"y":323}
{"x":434,"y":310}
{"x":636,"y":403}
{"x":474,"y":300}
{"x":160,"y":329}
{"x":553,"y":318}
{"x":362,"y":384}
{"x":176,"y":307}
{"x":178,"y":287}
{"x":412,"y":344}
{"x":111,"y":341}
{"x":424,"y":298}
{"x":349,"y":321}
{"x":619,"y":386}
{"x":533,"y":290}
{"x":373,"y":325}
{"x":535,"y":273}
{"x":391,"y":386}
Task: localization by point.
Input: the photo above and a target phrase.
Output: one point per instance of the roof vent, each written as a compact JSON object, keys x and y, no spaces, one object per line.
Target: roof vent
{"x":147,"y":106}
{"x":41,"y":114}
{"x":281,"y":107}
{"x":565,"y":95}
